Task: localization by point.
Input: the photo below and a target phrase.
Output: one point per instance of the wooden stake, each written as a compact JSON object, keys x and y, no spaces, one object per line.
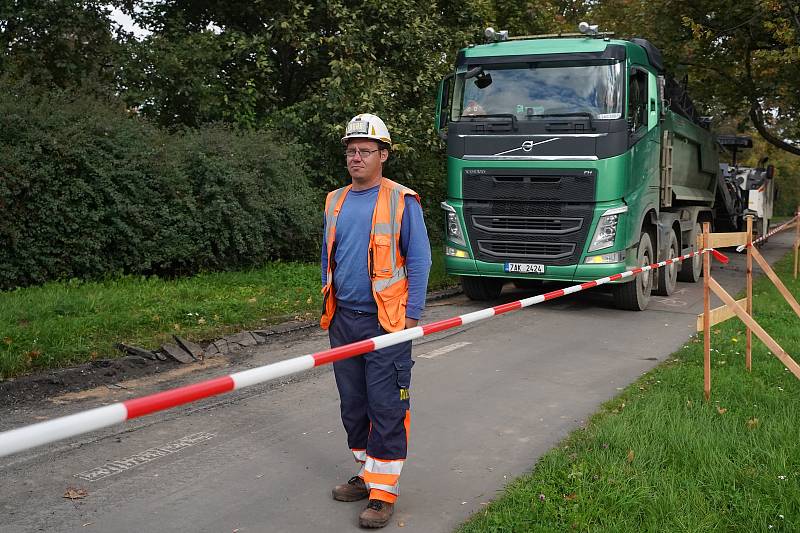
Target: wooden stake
{"x":796,"y":240}
{"x":706,"y":315}
{"x":748,"y":354}
{"x":776,"y":281}
{"x":776,"y":349}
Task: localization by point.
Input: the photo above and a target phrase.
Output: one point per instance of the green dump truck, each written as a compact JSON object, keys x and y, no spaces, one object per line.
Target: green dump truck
{"x":572,"y":158}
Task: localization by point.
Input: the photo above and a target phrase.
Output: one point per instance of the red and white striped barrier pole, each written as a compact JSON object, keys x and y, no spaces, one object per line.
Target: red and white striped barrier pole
{"x":769,"y":234}
{"x":26,"y":437}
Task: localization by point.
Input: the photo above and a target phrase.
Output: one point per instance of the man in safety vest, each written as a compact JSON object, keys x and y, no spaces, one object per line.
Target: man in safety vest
{"x":375,"y":263}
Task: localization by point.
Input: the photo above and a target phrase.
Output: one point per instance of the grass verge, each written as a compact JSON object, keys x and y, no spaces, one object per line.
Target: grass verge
{"x":64,"y":323}
{"x":659,"y":458}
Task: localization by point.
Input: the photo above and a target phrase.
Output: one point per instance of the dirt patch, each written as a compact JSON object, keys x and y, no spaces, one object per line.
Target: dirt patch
{"x":119,"y":378}
{"x":89,"y":379}
{"x":124,"y":389}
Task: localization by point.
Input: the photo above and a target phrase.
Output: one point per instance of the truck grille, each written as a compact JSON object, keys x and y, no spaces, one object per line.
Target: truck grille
{"x":511,"y":224}
{"x":528,"y":250}
{"x":543,"y":232}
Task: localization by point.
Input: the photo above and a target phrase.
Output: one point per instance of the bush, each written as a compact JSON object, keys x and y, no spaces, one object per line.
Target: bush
{"x":90,"y":189}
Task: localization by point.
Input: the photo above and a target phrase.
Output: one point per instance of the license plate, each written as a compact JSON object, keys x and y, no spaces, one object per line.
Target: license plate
{"x":524,"y":268}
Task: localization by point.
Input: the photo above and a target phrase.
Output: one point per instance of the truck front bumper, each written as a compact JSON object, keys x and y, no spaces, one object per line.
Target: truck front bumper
{"x":580,"y":273}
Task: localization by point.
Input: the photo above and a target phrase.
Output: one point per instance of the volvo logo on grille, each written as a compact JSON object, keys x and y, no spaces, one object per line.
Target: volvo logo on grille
{"x":528,"y":145}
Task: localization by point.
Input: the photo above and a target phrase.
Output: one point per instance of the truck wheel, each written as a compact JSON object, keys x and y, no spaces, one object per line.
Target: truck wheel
{"x":635,"y":295}
{"x":477,"y":288}
{"x":691,"y":269}
{"x":668,"y":275}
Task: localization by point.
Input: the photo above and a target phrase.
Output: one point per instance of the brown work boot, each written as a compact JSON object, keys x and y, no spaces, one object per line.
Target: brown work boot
{"x":377,"y":514}
{"x":352,"y":491}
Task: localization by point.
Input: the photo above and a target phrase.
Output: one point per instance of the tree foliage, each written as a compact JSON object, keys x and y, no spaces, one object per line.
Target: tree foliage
{"x":89,"y":190}
{"x":58,"y":43}
{"x":741,"y":57}
{"x":303,"y":68}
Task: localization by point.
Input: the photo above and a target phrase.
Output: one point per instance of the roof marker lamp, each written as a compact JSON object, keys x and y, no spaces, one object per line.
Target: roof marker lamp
{"x":587,"y":29}
{"x":452,"y":227}
{"x":606,"y":230}
{"x":493,"y":35}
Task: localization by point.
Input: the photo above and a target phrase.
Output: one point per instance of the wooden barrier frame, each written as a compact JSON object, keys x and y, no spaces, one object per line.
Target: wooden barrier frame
{"x":796,"y":239}
{"x":743,"y":308}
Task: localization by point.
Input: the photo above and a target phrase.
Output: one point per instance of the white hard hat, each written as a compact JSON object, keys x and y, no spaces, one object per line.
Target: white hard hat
{"x":367,"y":126}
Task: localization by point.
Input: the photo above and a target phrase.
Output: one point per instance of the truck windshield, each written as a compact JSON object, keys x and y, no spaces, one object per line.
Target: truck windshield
{"x":528,"y":90}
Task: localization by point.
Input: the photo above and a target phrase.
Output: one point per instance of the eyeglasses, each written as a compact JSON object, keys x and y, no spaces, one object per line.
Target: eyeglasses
{"x":363,"y":154}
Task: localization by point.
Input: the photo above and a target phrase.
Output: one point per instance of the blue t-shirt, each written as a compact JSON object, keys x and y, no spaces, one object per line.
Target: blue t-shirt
{"x":351,"y":276}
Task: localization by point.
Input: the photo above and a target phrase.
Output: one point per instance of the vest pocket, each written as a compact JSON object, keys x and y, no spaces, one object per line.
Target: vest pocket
{"x":393,"y":300}
{"x":382,"y":256}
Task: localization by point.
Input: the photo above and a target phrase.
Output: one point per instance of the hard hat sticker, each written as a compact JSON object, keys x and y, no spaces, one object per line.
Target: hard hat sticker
{"x":357,"y":126}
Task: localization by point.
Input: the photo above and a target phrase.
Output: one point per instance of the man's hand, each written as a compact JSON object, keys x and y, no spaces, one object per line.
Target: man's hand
{"x":411,"y":322}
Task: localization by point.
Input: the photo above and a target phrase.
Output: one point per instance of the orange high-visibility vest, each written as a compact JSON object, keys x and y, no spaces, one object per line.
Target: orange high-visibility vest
{"x":387,"y":267}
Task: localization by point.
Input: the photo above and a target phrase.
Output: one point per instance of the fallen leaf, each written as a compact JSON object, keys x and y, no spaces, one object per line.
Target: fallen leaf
{"x":87,"y":524}
{"x":399,"y":524}
{"x":734,"y":339}
{"x":74,"y":493}
{"x":308,"y":302}
{"x":251,"y":300}
{"x":7,"y":340}
{"x":752,"y":423}
{"x":630,"y":456}
{"x":570,"y":497}
{"x":722,"y":410}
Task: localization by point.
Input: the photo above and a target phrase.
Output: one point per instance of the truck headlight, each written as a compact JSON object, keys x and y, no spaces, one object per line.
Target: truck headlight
{"x":452,"y":226}
{"x":606,"y":230}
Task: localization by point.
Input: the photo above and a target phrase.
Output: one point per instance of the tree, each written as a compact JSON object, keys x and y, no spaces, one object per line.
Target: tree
{"x":305,"y":67}
{"x":741,"y":56}
{"x":59,"y":43}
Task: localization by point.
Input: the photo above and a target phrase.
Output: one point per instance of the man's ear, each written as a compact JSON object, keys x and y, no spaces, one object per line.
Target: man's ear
{"x":384,"y":155}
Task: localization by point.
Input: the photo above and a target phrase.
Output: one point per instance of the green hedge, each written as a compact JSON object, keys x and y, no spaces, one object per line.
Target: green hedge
{"x":89,"y":190}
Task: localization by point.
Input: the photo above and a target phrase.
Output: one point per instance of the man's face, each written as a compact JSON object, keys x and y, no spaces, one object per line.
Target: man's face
{"x":363,"y":167}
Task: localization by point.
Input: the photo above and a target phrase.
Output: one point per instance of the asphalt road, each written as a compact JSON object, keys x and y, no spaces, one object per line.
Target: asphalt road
{"x":487,"y":400}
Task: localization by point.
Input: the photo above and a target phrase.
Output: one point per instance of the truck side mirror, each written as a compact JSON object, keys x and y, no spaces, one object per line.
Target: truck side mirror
{"x":443,"y":105}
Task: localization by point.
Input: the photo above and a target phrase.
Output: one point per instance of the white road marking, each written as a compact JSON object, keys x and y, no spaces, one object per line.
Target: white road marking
{"x":443,"y":350}
{"x":120,"y":465}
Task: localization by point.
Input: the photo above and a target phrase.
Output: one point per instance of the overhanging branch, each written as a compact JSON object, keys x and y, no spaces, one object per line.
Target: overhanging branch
{"x":757,"y":118}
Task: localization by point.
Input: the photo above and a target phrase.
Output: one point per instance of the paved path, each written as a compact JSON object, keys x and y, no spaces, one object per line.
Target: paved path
{"x":487,"y":401}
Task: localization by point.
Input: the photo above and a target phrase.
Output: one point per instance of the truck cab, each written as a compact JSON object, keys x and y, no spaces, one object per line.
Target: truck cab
{"x":561,"y":165}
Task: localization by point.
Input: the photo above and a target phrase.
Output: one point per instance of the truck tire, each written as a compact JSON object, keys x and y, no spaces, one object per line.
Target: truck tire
{"x":692,"y":269}
{"x":668,"y":275}
{"x":635,"y":295}
{"x":477,"y":288}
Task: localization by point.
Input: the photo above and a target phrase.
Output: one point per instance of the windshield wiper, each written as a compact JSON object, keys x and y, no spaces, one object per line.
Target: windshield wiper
{"x":512,"y":116}
{"x":565,"y":115}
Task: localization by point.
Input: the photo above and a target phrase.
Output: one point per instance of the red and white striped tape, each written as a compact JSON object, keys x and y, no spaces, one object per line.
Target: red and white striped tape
{"x":26,"y":437}
{"x":768,"y":234}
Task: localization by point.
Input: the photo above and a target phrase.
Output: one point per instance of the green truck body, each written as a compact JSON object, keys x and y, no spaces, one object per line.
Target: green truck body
{"x":564,"y":155}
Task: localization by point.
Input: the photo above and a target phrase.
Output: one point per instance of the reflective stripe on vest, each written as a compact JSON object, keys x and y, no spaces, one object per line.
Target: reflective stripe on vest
{"x":386,"y":219}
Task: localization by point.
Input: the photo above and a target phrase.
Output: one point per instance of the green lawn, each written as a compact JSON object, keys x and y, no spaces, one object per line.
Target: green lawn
{"x":64,"y":323}
{"x":659,"y":458}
